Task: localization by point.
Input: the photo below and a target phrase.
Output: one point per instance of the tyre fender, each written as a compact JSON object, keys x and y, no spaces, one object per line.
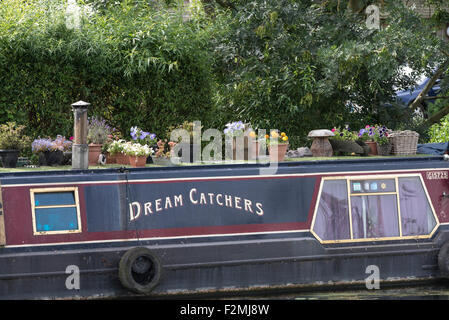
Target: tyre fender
{"x":140,"y":270}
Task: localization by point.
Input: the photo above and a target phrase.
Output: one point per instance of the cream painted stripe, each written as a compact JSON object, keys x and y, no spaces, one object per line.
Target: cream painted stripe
{"x":154,"y":238}
{"x":350,"y":173}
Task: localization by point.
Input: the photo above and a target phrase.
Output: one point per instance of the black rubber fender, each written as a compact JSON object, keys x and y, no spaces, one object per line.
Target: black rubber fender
{"x":443,"y":260}
{"x":140,"y":270}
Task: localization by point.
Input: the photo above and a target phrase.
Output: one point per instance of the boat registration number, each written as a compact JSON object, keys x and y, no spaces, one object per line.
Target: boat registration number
{"x":435,"y":175}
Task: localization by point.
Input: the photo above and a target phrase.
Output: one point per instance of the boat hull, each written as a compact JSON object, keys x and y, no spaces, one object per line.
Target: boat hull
{"x":262,"y":237}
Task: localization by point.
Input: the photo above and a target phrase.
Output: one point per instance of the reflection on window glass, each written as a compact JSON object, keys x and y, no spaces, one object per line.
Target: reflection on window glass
{"x":56,"y":219}
{"x":55,"y":211}
{"x":374,"y":216}
{"x":416,"y":213}
{"x":332,"y":217}
{"x":53,"y":198}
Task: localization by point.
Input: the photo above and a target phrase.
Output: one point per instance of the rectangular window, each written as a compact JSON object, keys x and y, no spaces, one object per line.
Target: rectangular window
{"x":55,"y":210}
{"x":374,"y":216}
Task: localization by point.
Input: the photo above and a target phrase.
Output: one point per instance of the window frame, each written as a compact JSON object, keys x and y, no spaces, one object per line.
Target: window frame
{"x":34,"y":191}
{"x":348,"y":179}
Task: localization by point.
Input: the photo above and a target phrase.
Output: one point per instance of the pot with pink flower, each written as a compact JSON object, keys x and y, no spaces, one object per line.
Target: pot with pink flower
{"x":367,"y":135}
{"x":383,"y":142}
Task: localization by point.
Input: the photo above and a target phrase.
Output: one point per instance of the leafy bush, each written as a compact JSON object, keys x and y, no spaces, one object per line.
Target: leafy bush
{"x":439,"y":132}
{"x":12,"y":137}
{"x":135,"y":64}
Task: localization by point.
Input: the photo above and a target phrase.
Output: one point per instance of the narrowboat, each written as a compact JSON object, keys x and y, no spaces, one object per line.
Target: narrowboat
{"x":222,"y":229}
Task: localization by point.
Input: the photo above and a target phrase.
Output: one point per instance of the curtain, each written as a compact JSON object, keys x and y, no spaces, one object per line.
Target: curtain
{"x":332,"y":218}
{"x":374,"y":216}
{"x":416,"y":213}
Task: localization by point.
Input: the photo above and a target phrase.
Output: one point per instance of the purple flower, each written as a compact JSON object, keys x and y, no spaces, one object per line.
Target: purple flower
{"x":143,"y":134}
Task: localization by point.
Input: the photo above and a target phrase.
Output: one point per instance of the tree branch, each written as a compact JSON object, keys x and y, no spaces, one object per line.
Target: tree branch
{"x":419,"y":99}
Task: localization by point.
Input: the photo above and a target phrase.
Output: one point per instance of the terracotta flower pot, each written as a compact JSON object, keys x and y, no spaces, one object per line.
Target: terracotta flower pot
{"x":137,"y":161}
{"x":373,"y":147}
{"x":236,"y":156}
{"x":254,"y":149}
{"x":277,"y":154}
{"x":121,"y":158}
{"x":111,"y":158}
{"x":94,"y":153}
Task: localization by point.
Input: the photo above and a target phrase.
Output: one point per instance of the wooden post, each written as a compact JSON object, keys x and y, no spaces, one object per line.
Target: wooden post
{"x":80,"y":149}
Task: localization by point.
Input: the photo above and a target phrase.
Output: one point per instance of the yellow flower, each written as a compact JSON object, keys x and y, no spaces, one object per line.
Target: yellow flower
{"x":283,"y":134}
{"x":267,"y":136}
{"x":252,"y":134}
{"x":274,"y":134}
{"x":285,"y":138}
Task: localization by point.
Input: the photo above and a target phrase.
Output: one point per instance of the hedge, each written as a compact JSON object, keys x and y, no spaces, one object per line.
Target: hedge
{"x":136,"y":65}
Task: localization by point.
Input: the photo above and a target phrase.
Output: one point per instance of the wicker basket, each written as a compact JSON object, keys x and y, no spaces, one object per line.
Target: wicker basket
{"x":404,"y":142}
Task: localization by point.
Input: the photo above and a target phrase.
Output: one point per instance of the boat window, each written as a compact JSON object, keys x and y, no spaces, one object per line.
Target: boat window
{"x":355,"y":209}
{"x":332,"y":220}
{"x":417,"y":216}
{"x":55,"y":210}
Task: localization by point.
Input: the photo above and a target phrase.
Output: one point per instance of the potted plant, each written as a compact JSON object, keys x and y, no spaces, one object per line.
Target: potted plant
{"x":143,"y":137}
{"x":344,"y":142}
{"x":277,"y":145}
{"x":163,"y":156}
{"x":116,"y":149}
{"x":383,"y":142}
{"x":12,"y":141}
{"x":137,"y":153}
{"x":51,"y":152}
{"x":97,"y":135}
{"x":238,"y":129}
{"x":114,"y":136}
{"x":192,"y":128}
{"x":366,"y":135}
{"x":254,"y":147}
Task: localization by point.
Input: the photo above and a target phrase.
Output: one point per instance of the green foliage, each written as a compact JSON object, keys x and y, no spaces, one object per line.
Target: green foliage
{"x":12,"y":137}
{"x":439,"y":132}
{"x":300,"y":66}
{"x":137,"y":65}
{"x":344,"y":134}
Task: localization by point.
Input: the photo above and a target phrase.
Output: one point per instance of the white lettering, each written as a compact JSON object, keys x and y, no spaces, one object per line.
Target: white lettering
{"x":203,"y":198}
{"x":260,"y":210}
{"x":219,"y":201}
{"x":168,"y":203}
{"x":248,"y":204}
{"x":228,"y":200}
{"x":237,"y":203}
{"x":133,"y":216}
{"x":211,"y":198}
{"x":193,"y":190}
{"x":178,"y":199}
{"x":158,"y":204}
{"x":147,"y":207}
